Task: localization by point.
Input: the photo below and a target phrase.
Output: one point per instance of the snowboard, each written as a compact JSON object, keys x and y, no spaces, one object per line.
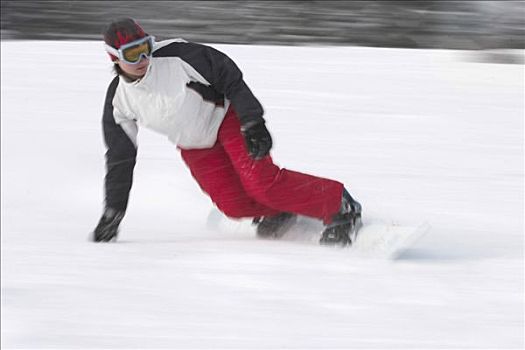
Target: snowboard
{"x":374,"y":239}
{"x":388,"y":240}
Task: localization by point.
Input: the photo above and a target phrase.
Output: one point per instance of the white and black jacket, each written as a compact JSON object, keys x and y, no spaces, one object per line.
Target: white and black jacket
{"x":184,"y":95}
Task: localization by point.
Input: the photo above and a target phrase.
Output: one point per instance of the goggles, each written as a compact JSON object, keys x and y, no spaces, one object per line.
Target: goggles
{"x":134,"y":51}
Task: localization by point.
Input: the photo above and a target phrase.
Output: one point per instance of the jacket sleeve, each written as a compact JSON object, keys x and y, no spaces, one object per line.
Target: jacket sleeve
{"x":223,"y":75}
{"x":120,"y":156}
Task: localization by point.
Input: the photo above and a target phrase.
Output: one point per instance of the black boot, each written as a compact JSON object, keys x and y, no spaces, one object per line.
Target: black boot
{"x":345,"y":224}
{"x":272,"y":227}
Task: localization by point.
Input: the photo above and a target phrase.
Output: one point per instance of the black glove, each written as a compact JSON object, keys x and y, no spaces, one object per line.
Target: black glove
{"x":258,"y":140}
{"x":107,"y":228}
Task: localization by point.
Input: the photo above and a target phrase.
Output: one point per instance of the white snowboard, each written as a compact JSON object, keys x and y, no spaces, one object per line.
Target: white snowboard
{"x":388,"y":240}
{"x":375,"y":239}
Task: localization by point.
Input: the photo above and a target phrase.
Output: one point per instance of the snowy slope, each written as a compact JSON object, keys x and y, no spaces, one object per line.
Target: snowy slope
{"x":416,"y":135}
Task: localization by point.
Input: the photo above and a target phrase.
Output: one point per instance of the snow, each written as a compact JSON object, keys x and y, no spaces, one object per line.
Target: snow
{"x":416,"y":135}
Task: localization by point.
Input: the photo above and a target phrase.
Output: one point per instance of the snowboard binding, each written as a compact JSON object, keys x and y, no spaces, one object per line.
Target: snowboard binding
{"x":345,"y":225}
{"x":274,"y":227}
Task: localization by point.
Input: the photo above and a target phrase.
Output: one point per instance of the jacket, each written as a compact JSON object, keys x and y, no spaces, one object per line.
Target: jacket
{"x":184,"y":95}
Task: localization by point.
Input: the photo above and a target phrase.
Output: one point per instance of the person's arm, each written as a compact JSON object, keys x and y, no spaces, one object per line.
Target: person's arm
{"x":218,"y":71}
{"x":120,"y":140}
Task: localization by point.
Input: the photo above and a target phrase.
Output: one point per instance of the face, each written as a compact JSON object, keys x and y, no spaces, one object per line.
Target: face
{"x":135,"y":71}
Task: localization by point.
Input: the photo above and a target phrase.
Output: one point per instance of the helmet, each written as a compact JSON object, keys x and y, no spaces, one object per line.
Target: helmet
{"x":121,"y":32}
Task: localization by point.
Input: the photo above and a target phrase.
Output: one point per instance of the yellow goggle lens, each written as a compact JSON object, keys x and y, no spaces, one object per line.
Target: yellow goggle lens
{"x":133,"y":54}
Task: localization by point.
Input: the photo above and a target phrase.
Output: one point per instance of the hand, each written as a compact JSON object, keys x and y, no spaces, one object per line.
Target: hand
{"x":258,"y":140}
{"x":107,"y":228}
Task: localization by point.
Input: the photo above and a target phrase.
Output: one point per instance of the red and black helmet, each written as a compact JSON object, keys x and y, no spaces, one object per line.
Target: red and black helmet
{"x":121,"y":32}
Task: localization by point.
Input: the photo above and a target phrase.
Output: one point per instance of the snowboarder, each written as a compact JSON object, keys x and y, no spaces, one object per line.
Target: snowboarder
{"x":196,"y":96}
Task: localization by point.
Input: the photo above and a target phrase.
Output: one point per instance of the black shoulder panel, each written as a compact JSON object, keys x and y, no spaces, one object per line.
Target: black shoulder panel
{"x":221,"y":72}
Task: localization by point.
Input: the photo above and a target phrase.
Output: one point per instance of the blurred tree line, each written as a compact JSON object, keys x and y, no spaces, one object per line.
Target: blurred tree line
{"x":410,"y":24}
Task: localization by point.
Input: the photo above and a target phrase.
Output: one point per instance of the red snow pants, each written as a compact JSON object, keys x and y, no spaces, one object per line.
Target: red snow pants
{"x":242,"y":187}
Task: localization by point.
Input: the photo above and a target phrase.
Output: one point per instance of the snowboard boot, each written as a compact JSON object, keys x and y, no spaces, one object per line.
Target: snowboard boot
{"x":345,"y":224}
{"x":273,"y":227}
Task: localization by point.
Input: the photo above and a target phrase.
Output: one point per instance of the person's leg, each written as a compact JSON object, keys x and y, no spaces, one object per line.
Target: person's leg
{"x":215,"y":175}
{"x":281,"y":189}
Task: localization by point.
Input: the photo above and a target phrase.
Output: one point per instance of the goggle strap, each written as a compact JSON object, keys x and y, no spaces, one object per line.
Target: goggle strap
{"x":112,"y":50}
